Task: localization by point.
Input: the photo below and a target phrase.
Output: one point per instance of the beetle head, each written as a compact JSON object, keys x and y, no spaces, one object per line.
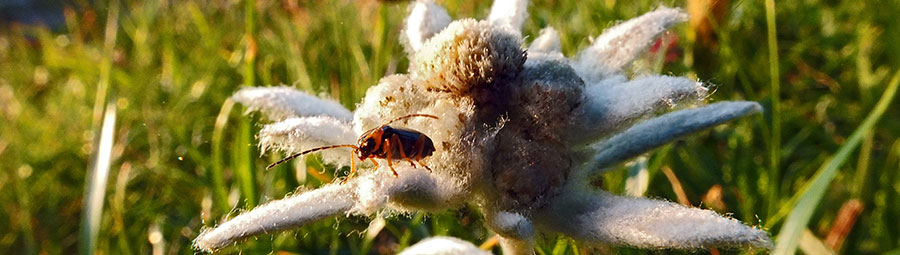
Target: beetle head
{"x":366,"y":148}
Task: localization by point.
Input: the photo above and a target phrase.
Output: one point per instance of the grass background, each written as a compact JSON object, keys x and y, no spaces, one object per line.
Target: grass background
{"x":168,"y":66}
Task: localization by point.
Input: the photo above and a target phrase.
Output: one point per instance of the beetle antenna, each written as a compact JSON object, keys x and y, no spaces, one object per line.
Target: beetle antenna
{"x":410,"y":116}
{"x":355,"y":148}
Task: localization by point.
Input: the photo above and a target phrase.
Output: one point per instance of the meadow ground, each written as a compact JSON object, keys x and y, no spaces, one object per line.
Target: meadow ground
{"x":812,"y":163}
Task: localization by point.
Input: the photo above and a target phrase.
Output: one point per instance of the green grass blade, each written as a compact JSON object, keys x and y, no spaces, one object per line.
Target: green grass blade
{"x":811,"y":194}
{"x":242,"y":160}
{"x":810,"y":244}
{"x":109,"y":44}
{"x":95,"y":185}
{"x":561,"y":244}
{"x":250,"y":37}
{"x":775,"y":141}
{"x":220,"y":190}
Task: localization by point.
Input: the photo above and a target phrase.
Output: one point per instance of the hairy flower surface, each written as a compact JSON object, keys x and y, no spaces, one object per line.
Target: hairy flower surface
{"x":520,"y":133}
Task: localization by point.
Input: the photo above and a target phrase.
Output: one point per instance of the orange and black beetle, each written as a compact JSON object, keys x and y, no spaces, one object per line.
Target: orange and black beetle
{"x":384,"y":142}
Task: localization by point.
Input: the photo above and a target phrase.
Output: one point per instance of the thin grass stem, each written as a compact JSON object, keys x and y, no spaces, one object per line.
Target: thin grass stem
{"x":220,"y":191}
{"x":242,"y":161}
{"x":809,"y":197}
{"x":95,"y":184}
{"x":241,"y":158}
{"x":775,"y":112}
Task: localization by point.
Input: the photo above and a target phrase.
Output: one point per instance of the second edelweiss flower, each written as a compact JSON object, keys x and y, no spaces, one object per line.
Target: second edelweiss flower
{"x":517,"y":135}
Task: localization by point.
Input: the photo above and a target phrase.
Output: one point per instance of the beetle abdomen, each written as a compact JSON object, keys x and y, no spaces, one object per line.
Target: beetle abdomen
{"x":409,"y":143}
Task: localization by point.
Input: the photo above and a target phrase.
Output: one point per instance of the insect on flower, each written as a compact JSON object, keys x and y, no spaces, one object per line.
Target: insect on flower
{"x":384,"y":142}
{"x":526,"y":132}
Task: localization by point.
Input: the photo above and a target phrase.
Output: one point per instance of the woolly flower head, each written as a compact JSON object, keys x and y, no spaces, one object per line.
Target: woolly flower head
{"x":520,"y":133}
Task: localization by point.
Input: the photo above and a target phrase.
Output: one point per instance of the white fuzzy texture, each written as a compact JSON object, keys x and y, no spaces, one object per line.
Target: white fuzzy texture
{"x":468,"y":55}
{"x":516,"y":246}
{"x":646,"y":223}
{"x":415,"y":189}
{"x":618,"y":102}
{"x":288,"y":212}
{"x":510,"y":224}
{"x":547,"y":42}
{"x":297,"y":134}
{"x":638,"y":179}
{"x":425,"y":19}
{"x":509,"y":13}
{"x":620,"y":45}
{"x":661,"y":130}
{"x":391,"y":98}
{"x":279,"y":103}
{"x":443,"y":245}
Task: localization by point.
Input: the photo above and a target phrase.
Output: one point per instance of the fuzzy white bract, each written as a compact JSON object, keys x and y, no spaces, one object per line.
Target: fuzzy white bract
{"x":443,"y":245}
{"x":519,"y":136}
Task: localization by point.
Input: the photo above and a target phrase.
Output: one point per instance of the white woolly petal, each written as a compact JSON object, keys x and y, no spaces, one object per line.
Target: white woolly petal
{"x":392,"y":97}
{"x":638,"y":179}
{"x":548,"y":42}
{"x":509,"y":224}
{"x":425,"y":19}
{"x":510,"y":13}
{"x":294,"y":135}
{"x":515,"y":246}
{"x":279,"y":103}
{"x":645,"y":223}
{"x":443,"y":245}
{"x":618,"y":46}
{"x":612,"y":106}
{"x":660,"y":130}
{"x":327,"y":201}
{"x":467,"y":55}
{"x":414,"y":189}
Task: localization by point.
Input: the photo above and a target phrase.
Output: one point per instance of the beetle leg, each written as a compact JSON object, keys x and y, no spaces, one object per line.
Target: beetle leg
{"x":426,"y":166}
{"x":374,"y":163}
{"x":387,"y":147}
{"x":352,"y":168}
{"x":420,"y":143}
{"x":396,"y":139}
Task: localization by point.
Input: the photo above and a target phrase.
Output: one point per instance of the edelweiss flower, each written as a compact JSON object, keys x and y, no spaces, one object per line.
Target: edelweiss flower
{"x":519,"y":136}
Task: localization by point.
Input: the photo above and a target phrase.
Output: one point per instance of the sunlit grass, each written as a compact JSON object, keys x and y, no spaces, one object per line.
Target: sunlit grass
{"x":184,"y":156}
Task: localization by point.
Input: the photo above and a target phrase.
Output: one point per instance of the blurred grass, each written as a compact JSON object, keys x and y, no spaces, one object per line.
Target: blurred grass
{"x":811,"y":194}
{"x":182,"y":160}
